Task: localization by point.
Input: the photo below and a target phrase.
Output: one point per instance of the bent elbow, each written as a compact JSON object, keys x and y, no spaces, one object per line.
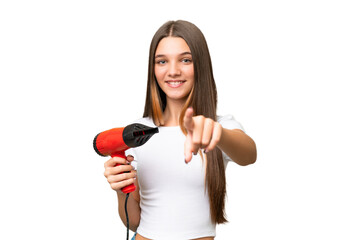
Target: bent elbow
{"x":250,"y":158}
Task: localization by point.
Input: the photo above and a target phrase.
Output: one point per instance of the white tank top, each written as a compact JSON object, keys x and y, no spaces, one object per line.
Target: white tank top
{"x":173,"y":201}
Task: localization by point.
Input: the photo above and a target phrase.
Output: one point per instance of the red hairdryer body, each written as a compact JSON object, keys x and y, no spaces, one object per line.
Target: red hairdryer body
{"x":116,"y":141}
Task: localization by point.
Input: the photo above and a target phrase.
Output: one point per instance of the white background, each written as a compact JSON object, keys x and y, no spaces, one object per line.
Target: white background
{"x":287,"y":70}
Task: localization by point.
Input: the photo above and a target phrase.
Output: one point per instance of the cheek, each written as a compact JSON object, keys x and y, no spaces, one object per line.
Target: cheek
{"x":189,"y":71}
{"x":159,"y":73}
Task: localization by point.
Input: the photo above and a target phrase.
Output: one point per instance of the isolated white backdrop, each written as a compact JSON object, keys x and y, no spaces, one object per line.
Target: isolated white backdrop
{"x":287,"y":70}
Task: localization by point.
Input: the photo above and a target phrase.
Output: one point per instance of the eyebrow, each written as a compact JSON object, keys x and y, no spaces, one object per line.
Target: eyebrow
{"x":181,"y":54}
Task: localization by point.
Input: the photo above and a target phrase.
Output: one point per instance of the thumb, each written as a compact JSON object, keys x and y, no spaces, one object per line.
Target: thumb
{"x":129,"y":158}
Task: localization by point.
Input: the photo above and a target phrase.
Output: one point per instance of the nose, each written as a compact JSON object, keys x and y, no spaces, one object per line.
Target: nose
{"x":174,"y":70}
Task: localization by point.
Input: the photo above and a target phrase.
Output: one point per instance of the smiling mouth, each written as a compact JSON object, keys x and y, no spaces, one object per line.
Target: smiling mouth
{"x":175,"y":83}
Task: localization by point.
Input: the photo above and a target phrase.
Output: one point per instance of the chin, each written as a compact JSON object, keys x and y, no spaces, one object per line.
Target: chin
{"x":182,"y":97}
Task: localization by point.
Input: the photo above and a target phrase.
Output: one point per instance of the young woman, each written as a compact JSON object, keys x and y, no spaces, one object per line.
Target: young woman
{"x":180,"y":194}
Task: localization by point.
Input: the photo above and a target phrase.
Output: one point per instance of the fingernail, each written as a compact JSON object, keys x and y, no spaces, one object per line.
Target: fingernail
{"x":185,"y":161}
{"x":206,"y":151}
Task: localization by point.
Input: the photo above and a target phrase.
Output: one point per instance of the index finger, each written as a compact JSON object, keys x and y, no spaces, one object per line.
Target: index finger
{"x":112,"y":162}
{"x":188,"y":120}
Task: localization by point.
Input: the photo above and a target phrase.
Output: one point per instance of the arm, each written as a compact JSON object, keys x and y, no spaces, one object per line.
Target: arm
{"x":118,"y":179}
{"x":204,"y":133}
{"x":238,"y":146}
{"x":133,"y":208}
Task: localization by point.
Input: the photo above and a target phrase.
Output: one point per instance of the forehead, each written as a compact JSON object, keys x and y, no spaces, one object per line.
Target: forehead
{"x":172,"y":45}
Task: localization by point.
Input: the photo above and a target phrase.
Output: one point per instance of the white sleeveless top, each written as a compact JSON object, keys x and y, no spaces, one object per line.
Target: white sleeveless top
{"x":173,"y":201}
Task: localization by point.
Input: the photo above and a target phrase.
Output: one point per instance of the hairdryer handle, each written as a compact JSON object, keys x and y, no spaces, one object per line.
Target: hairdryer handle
{"x":130,"y":188}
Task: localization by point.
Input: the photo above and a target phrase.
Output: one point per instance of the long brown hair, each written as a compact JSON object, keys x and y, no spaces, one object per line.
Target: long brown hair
{"x":202,"y":98}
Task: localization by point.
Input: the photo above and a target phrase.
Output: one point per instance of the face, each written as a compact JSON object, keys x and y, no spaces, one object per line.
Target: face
{"x":174,"y":69}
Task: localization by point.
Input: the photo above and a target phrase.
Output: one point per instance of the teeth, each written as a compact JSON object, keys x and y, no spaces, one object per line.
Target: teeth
{"x":175,"y":83}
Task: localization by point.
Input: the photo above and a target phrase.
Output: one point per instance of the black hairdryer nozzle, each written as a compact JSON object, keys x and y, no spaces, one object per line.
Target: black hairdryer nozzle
{"x":137,"y":134}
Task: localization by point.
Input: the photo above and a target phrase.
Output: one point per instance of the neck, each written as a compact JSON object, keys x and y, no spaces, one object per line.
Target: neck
{"x":172,"y":112}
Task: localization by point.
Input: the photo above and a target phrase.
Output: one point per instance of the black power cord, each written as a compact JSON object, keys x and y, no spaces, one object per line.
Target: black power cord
{"x":127,"y":216}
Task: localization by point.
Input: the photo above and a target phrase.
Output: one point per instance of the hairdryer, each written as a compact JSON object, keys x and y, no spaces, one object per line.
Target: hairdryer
{"x":116,"y":141}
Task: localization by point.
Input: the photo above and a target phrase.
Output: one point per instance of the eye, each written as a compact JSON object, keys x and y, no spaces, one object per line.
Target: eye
{"x":186,"y":60}
{"x":161,"y":62}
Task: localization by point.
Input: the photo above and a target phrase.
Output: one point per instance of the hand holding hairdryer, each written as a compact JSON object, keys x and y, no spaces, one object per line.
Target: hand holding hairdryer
{"x":116,"y":141}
